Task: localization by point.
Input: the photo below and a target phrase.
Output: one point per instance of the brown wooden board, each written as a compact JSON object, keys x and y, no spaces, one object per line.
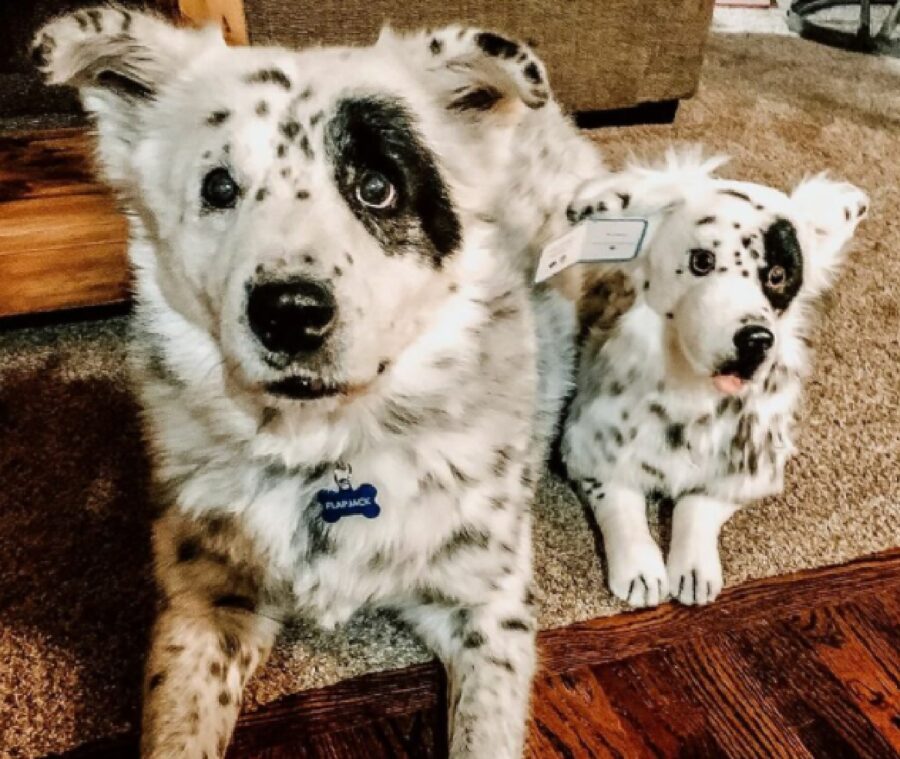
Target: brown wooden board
{"x":798,"y":666}
{"x":62,"y":240}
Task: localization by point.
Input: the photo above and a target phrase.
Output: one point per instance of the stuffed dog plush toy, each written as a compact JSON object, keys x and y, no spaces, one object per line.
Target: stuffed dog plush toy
{"x":692,"y":396}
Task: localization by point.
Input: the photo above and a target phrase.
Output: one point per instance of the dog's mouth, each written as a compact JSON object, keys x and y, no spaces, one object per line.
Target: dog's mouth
{"x":732,"y":376}
{"x":728,"y":384}
{"x":307,"y":388}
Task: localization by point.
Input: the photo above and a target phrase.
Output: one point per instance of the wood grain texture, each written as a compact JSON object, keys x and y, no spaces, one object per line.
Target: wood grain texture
{"x":62,"y":240}
{"x":797,"y":666}
{"x":370,"y":699}
{"x":404,"y":737}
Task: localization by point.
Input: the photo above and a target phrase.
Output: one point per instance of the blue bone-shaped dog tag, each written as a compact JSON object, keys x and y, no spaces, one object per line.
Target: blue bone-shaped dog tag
{"x":347,"y":500}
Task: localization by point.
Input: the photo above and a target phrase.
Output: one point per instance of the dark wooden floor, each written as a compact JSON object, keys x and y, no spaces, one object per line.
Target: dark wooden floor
{"x":807,"y":666}
{"x":800,"y":666}
{"x":819,"y":683}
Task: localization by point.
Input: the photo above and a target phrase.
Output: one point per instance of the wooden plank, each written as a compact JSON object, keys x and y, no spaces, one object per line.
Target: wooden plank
{"x":817,"y":704}
{"x":573,"y":716}
{"x":647,"y":698}
{"x":405,"y":737}
{"x":54,"y":162}
{"x":589,"y":643}
{"x":648,"y":683}
{"x":847,"y":643}
{"x":358,"y":701}
{"x":600,"y":640}
{"x":62,"y":239}
{"x":51,"y":279}
{"x":738,"y":710}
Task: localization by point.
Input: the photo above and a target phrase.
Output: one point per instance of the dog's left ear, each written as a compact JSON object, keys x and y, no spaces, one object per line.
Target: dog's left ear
{"x":120,"y":61}
{"x":117,"y":58}
{"x":476,"y":73}
{"x":830,"y":212}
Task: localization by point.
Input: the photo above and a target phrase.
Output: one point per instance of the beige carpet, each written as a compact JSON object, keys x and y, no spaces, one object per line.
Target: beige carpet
{"x":75,"y":598}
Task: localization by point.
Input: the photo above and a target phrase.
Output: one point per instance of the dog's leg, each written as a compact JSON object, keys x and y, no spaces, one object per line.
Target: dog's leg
{"x":635,"y":191}
{"x":613,"y":194}
{"x":475,"y":68}
{"x":200,"y":660}
{"x":637,"y":572}
{"x":206,"y":643}
{"x":489,"y":653}
{"x":695,"y":571}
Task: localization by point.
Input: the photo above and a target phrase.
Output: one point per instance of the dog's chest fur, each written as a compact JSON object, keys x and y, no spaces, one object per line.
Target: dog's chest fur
{"x":453,"y":465}
{"x":632,"y":423}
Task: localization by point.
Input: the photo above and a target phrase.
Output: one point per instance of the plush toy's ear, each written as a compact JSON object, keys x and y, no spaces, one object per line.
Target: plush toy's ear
{"x":476,"y":73}
{"x":118,"y":59}
{"x":829,"y":211}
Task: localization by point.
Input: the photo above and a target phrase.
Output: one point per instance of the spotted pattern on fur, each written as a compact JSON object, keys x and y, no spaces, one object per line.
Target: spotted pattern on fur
{"x":448,"y":373}
{"x":687,"y":442}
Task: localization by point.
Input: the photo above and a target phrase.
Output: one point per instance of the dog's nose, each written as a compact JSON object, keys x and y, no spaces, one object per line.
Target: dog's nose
{"x":752,"y":342}
{"x":291,"y":317}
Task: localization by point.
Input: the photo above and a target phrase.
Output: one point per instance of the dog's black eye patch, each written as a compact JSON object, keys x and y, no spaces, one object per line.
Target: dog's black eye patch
{"x":782,"y":275}
{"x":372,"y":134}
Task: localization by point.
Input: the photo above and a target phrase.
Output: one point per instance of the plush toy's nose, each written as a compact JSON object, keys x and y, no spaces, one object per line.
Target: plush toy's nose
{"x":752,"y":343}
{"x":753,"y":339}
{"x":291,"y":317}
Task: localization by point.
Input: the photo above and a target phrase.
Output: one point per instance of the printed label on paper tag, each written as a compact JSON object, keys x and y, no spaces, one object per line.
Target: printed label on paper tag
{"x":593,"y":241}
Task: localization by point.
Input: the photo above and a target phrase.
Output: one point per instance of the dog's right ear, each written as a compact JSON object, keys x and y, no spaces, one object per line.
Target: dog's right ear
{"x":117,"y":58}
{"x":830,"y":211}
{"x":476,"y":73}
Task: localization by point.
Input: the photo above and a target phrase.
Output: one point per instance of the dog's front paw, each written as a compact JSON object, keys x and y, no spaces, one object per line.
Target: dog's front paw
{"x":695,"y":577}
{"x":637,"y":574}
{"x":598,"y":196}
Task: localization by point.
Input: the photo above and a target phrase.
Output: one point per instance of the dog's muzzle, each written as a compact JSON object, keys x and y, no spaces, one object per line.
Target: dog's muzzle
{"x":752,"y":344}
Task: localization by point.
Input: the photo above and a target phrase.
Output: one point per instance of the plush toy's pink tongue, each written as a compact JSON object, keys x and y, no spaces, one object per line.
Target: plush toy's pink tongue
{"x":728,"y":383}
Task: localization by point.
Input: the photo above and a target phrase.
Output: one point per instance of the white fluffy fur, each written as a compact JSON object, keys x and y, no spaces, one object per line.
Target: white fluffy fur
{"x":647,"y":419}
{"x":448,"y":416}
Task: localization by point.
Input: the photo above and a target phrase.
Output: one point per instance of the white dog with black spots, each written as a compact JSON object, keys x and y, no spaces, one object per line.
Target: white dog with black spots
{"x":335,"y":344}
{"x":693,"y":395}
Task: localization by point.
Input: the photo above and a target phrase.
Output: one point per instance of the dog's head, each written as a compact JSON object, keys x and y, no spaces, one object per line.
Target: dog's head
{"x":730,"y":264}
{"x":312,"y":212}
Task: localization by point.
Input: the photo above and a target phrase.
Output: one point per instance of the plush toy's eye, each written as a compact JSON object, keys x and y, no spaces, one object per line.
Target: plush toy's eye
{"x":375,"y":191}
{"x":776,"y":277}
{"x":219,"y":189}
{"x":702,"y":261}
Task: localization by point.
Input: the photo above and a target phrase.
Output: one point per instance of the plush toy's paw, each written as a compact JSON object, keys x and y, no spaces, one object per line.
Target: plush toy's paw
{"x":606,"y":195}
{"x":695,"y":577}
{"x":637,"y":574}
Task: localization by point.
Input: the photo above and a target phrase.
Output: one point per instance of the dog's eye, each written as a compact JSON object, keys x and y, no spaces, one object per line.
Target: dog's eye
{"x":375,"y":191}
{"x":776,"y":278}
{"x":702,"y":261}
{"x":219,"y":189}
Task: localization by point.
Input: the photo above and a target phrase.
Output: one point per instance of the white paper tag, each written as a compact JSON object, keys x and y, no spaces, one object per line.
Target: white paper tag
{"x":592,"y":241}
